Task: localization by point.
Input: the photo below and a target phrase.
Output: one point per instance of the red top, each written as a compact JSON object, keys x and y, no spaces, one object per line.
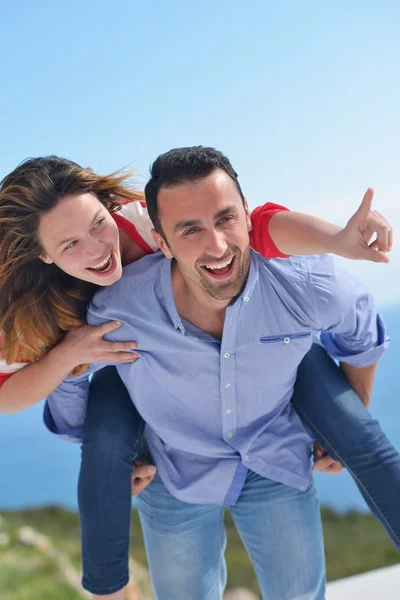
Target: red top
{"x":260,"y":240}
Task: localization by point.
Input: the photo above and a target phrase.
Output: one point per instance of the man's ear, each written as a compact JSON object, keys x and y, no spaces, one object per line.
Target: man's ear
{"x":161,"y":243}
{"x":43,"y":256}
{"x":248,"y":218}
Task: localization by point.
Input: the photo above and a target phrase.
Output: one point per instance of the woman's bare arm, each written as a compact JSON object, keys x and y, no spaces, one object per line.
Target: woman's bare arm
{"x":82,"y":345}
{"x":298,"y":233}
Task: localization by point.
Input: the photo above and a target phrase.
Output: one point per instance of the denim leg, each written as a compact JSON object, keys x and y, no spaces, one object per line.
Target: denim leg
{"x":113,"y":430}
{"x":281,"y":529}
{"x":185,"y":545}
{"x":340,"y":422}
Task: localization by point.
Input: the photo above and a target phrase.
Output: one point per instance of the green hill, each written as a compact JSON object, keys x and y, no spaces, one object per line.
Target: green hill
{"x":48,"y":567}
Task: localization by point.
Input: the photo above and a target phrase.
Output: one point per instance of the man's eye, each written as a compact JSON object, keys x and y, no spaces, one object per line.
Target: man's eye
{"x":224,"y":220}
{"x":191,"y":231}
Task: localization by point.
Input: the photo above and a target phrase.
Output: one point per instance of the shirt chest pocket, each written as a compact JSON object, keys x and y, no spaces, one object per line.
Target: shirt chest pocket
{"x":284,"y":338}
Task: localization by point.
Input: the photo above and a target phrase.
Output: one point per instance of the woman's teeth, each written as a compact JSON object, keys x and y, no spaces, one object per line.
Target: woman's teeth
{"x":103,"y":266}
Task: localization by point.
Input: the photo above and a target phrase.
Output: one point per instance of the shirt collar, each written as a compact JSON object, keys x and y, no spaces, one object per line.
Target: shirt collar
{"x":166,"y":286}
{"x":252,"y":277}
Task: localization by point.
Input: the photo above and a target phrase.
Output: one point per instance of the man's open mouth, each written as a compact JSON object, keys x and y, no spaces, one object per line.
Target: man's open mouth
{"x":220,"y":269}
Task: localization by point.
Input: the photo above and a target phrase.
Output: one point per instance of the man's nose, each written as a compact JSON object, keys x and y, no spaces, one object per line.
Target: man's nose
{"x":216,"y":244}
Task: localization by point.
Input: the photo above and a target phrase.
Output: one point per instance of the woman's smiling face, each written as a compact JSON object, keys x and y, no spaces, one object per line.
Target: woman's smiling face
{"x":80,"y":236}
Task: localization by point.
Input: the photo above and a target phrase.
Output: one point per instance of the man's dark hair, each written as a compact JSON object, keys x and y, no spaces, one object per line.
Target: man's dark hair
{"x":181,"y":165}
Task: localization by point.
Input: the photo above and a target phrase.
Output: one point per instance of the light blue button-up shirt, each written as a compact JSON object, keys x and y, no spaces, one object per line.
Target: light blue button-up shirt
{"x":216,"y":408}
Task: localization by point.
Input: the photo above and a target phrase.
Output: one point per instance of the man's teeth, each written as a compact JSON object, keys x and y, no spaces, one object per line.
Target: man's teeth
{"x":101,"y":265}
{"x":219,"y":265}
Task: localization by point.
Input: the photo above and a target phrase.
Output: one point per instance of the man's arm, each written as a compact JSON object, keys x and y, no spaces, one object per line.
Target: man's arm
{"x":64,"y":416}
{"x":65,"y":408}
{"x":361,"y":380}
{"x":352,"y":333}
{"x":351,"y":329}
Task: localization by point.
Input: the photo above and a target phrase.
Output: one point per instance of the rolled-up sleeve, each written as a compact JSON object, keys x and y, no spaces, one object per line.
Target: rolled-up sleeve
{"x":351,"y":329}
{"x":65,"y":409}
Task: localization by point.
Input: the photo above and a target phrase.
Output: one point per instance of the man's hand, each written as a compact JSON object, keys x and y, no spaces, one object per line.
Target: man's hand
{"x":143,"y":474}
{"x":325,"y":463}
{"x":367,"y":236}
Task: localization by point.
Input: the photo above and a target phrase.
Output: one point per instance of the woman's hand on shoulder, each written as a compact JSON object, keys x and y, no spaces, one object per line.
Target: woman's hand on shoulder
{"x":86,"y":344}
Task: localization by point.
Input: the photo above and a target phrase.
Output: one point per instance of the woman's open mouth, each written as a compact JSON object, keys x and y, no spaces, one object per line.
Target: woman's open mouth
{"x":105,"y":267}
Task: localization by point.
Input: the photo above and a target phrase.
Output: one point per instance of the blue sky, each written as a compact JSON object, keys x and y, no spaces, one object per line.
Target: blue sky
{"x":303,"y":97}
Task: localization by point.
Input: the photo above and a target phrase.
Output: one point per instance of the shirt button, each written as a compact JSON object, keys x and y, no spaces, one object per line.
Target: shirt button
{"x":246,"y":298}
{"x":227,"y":385}
{"x":246,"y":457}
{"x":226,"y":355}
{"x":228,"y":411}
{"x":230,"y":434}
{"x":286,"y":340}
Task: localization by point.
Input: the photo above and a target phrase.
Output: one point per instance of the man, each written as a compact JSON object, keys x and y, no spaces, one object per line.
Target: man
{"x":221,"y":332}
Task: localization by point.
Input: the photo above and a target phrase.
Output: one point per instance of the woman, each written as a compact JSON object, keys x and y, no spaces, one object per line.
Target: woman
{"x":53,"y":257}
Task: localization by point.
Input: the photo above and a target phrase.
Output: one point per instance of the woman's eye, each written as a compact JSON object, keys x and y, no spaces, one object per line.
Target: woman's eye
{"x":100,"y":222}
{"x":71,"y":245}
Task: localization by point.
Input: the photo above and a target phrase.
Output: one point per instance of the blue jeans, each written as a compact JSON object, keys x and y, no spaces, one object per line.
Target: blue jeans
{"x":324,"y":400}
{"x":113,"y":434}
{"x":338,"y":419}
{"x":280,"y":527}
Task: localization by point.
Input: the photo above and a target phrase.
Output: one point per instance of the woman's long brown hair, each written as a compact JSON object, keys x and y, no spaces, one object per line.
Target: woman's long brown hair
{"x":39,"y":303}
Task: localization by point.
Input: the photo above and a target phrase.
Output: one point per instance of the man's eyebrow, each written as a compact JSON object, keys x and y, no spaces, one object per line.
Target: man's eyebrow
{"x":196,"y":222}
{"x":226,"y":211}
{"x":184,"y":224}
{"x":73,"y":237}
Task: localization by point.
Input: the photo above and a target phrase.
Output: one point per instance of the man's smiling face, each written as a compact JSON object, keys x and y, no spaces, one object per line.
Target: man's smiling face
{"x":206,"y":227}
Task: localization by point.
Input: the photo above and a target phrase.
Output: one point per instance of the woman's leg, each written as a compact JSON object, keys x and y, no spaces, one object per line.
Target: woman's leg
{"x":344,"y":427}
{"x":113,"y":431}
